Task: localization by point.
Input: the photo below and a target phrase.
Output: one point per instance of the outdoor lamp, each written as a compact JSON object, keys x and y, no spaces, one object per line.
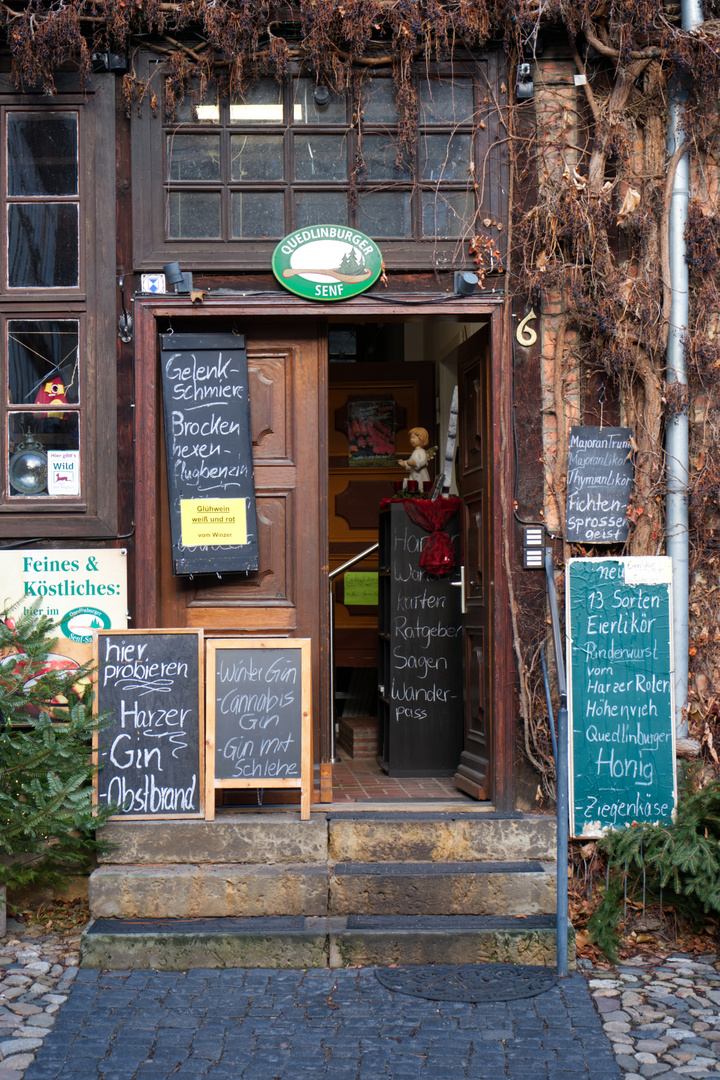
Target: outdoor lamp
{"x":524,"y":89}
{"x":28,"y":467}
{"x":321,"y":97}
{"x":182,"y":281}
{"x":464,"y":282}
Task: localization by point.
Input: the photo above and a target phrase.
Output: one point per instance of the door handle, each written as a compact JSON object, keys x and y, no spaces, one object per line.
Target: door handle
{"x":461,"y":585}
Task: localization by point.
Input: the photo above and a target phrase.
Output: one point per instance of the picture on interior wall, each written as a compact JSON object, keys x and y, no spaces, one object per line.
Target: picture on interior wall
{"x":371,"y":433}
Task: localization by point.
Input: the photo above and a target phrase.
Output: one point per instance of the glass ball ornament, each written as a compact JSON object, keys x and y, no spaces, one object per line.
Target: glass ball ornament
{"x":28,"y":468}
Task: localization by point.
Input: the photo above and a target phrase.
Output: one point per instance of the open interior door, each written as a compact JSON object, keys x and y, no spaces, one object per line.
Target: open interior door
{"x":475,"y":773}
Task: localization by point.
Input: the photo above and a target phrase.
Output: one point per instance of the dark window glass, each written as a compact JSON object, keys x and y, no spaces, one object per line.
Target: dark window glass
{"x":385,"y":213}
{"x":42,"y":154}
{"x":194,"y":214}
{"x":379,"y":157}
{"x":262,"y":104}
{"x":445,"y":100}
{"x":447,"y":213}
{"x":198,"y":107}
{"x":445,"y":157}
{"x":257,"y":214}
{"x":320,"y":157}
{"x":43,"y":245}
{"x":256,"y":157}
{"x":320,"y":208}
{"x":379,"y":102}
{"x":193,"y":157}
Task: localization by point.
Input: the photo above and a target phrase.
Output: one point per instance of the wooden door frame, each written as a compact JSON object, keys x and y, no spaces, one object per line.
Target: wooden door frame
{"x":148,"y":406}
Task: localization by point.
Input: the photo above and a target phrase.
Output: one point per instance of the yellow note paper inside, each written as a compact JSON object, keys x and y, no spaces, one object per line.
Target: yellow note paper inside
{"x":206,"y":522}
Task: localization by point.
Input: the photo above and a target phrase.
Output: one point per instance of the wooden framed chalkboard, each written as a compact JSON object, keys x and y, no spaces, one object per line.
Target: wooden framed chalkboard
{"x":151,"y":759}
{"x":620,"y":692}
{"x":208,"y":446}
{"x":599,"y":482}
{"x":259,"y":716}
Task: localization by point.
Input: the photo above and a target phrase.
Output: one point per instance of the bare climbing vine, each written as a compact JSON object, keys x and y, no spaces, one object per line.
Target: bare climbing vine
{"x":594,"y":234}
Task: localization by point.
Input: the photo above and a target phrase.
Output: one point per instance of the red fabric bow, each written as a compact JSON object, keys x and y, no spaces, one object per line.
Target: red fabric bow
{"x":438,"y":556}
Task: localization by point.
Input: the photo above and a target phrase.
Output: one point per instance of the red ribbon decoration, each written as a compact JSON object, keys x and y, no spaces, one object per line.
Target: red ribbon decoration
{"x":438,"y":556}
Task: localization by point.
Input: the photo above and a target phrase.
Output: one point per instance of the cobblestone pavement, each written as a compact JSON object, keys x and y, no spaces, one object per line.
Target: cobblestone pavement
{"x":662,"y":1017}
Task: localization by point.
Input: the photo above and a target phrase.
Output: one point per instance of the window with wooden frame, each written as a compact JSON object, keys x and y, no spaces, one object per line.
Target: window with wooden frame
{"x":57,"y":304}
{"x":222,"y":181}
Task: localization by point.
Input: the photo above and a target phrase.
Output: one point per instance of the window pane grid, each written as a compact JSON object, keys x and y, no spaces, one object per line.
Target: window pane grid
{"x":256,"y":167}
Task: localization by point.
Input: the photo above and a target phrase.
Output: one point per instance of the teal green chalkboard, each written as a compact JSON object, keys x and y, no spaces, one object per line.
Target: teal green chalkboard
{"x":620,"y":692}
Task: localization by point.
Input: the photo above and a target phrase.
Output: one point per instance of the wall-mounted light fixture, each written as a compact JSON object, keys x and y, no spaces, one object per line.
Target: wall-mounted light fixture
{"x":28,"y":467}
{"x":321,"y":97}
{"x":525,"y":88}
{"x":465,"y":282}
{"x":181,"y":282}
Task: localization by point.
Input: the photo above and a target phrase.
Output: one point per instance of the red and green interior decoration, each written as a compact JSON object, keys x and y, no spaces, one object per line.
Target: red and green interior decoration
{"x":327,"y":262}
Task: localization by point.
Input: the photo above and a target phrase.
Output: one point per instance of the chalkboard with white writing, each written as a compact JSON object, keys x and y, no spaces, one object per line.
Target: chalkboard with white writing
{"x":620,"y":692}
{"x":599,"y":482}
{"x":259,"y":715}
{"x":151,"y":758}
{"x":209,"y":453}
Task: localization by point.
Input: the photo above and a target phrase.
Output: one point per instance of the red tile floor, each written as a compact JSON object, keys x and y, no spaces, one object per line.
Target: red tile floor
{"x":362,"y":780}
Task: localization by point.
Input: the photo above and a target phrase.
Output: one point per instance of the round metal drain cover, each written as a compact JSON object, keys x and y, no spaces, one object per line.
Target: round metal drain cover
{"x":469,"y":982}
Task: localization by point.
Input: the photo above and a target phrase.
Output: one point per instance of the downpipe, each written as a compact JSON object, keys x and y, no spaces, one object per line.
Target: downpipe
{"x":677,"y":427}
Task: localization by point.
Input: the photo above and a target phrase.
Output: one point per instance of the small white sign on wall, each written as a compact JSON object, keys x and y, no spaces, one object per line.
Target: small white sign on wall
{"x":63,"y":472}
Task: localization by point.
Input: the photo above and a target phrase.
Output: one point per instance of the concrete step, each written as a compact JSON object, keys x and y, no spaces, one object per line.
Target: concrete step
{"x":457,"y":888}
{"x":300,"y":942}
{"x":338,"y":836}
{"x":268,"y":889}
{"x":433,"y":836}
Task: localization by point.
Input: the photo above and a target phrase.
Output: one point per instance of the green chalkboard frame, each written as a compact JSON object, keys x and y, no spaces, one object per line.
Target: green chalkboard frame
{"x":621,"y":697}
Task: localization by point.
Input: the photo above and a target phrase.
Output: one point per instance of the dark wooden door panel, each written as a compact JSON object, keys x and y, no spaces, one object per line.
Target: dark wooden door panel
{"x":475,"y":773}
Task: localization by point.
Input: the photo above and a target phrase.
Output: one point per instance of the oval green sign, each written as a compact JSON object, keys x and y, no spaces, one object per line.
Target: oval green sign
{"x":327,"y":262}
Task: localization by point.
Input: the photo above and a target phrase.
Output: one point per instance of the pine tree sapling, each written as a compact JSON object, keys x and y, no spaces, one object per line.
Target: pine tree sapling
{"x":47,"y":823}
{"x":682,"y":858}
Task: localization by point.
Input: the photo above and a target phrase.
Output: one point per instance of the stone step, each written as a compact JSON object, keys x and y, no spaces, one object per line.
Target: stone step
{"x":457,"y":888}
{"x":217,"y":891}
{"x":302,"y":942}
{"x":338,"y":836}
{"x":433,"y":836}
{"x":231,"y":838}
{"x":272,"y":889}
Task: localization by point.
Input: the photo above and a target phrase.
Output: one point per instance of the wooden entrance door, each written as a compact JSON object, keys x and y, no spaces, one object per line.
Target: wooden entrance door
{"x":475,"y":773}
{"x":288,"y":595}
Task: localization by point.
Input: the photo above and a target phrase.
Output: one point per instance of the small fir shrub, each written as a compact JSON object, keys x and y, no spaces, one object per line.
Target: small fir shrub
{"x":47,"y":824}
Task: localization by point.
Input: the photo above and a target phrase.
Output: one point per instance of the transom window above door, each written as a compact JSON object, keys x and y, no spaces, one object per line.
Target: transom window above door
{"x":220,"y":182}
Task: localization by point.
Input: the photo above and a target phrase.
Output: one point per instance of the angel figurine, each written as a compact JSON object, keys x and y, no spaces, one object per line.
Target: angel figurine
{"x":416,"y":464}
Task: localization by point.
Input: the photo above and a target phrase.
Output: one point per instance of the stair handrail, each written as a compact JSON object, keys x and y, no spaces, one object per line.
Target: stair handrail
{"x":331,"y":577}
{"x":561,"y":773}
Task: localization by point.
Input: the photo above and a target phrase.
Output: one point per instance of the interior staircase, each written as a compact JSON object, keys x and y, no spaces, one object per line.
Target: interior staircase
{"x":347,"y":887}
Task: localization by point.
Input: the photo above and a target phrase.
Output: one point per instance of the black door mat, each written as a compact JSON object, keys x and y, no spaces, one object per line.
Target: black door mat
{"x":469,"y":982}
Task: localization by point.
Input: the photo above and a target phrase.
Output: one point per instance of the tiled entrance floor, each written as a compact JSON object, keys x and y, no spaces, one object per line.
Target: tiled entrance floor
{"x":361,"y":780}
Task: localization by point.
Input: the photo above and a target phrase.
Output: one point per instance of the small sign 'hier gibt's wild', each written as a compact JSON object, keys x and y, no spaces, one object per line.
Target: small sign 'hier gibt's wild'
{"x":327,"y":262}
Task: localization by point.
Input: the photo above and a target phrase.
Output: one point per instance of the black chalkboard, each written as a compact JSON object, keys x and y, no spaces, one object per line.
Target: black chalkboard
{"x":151,"y":758}
{"x":209,"y":453}
{"x":258,"y":711}
{"x":599,"y":482}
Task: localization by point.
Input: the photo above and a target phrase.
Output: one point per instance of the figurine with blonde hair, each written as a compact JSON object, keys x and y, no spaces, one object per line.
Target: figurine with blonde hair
{"x":416,"y":464}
